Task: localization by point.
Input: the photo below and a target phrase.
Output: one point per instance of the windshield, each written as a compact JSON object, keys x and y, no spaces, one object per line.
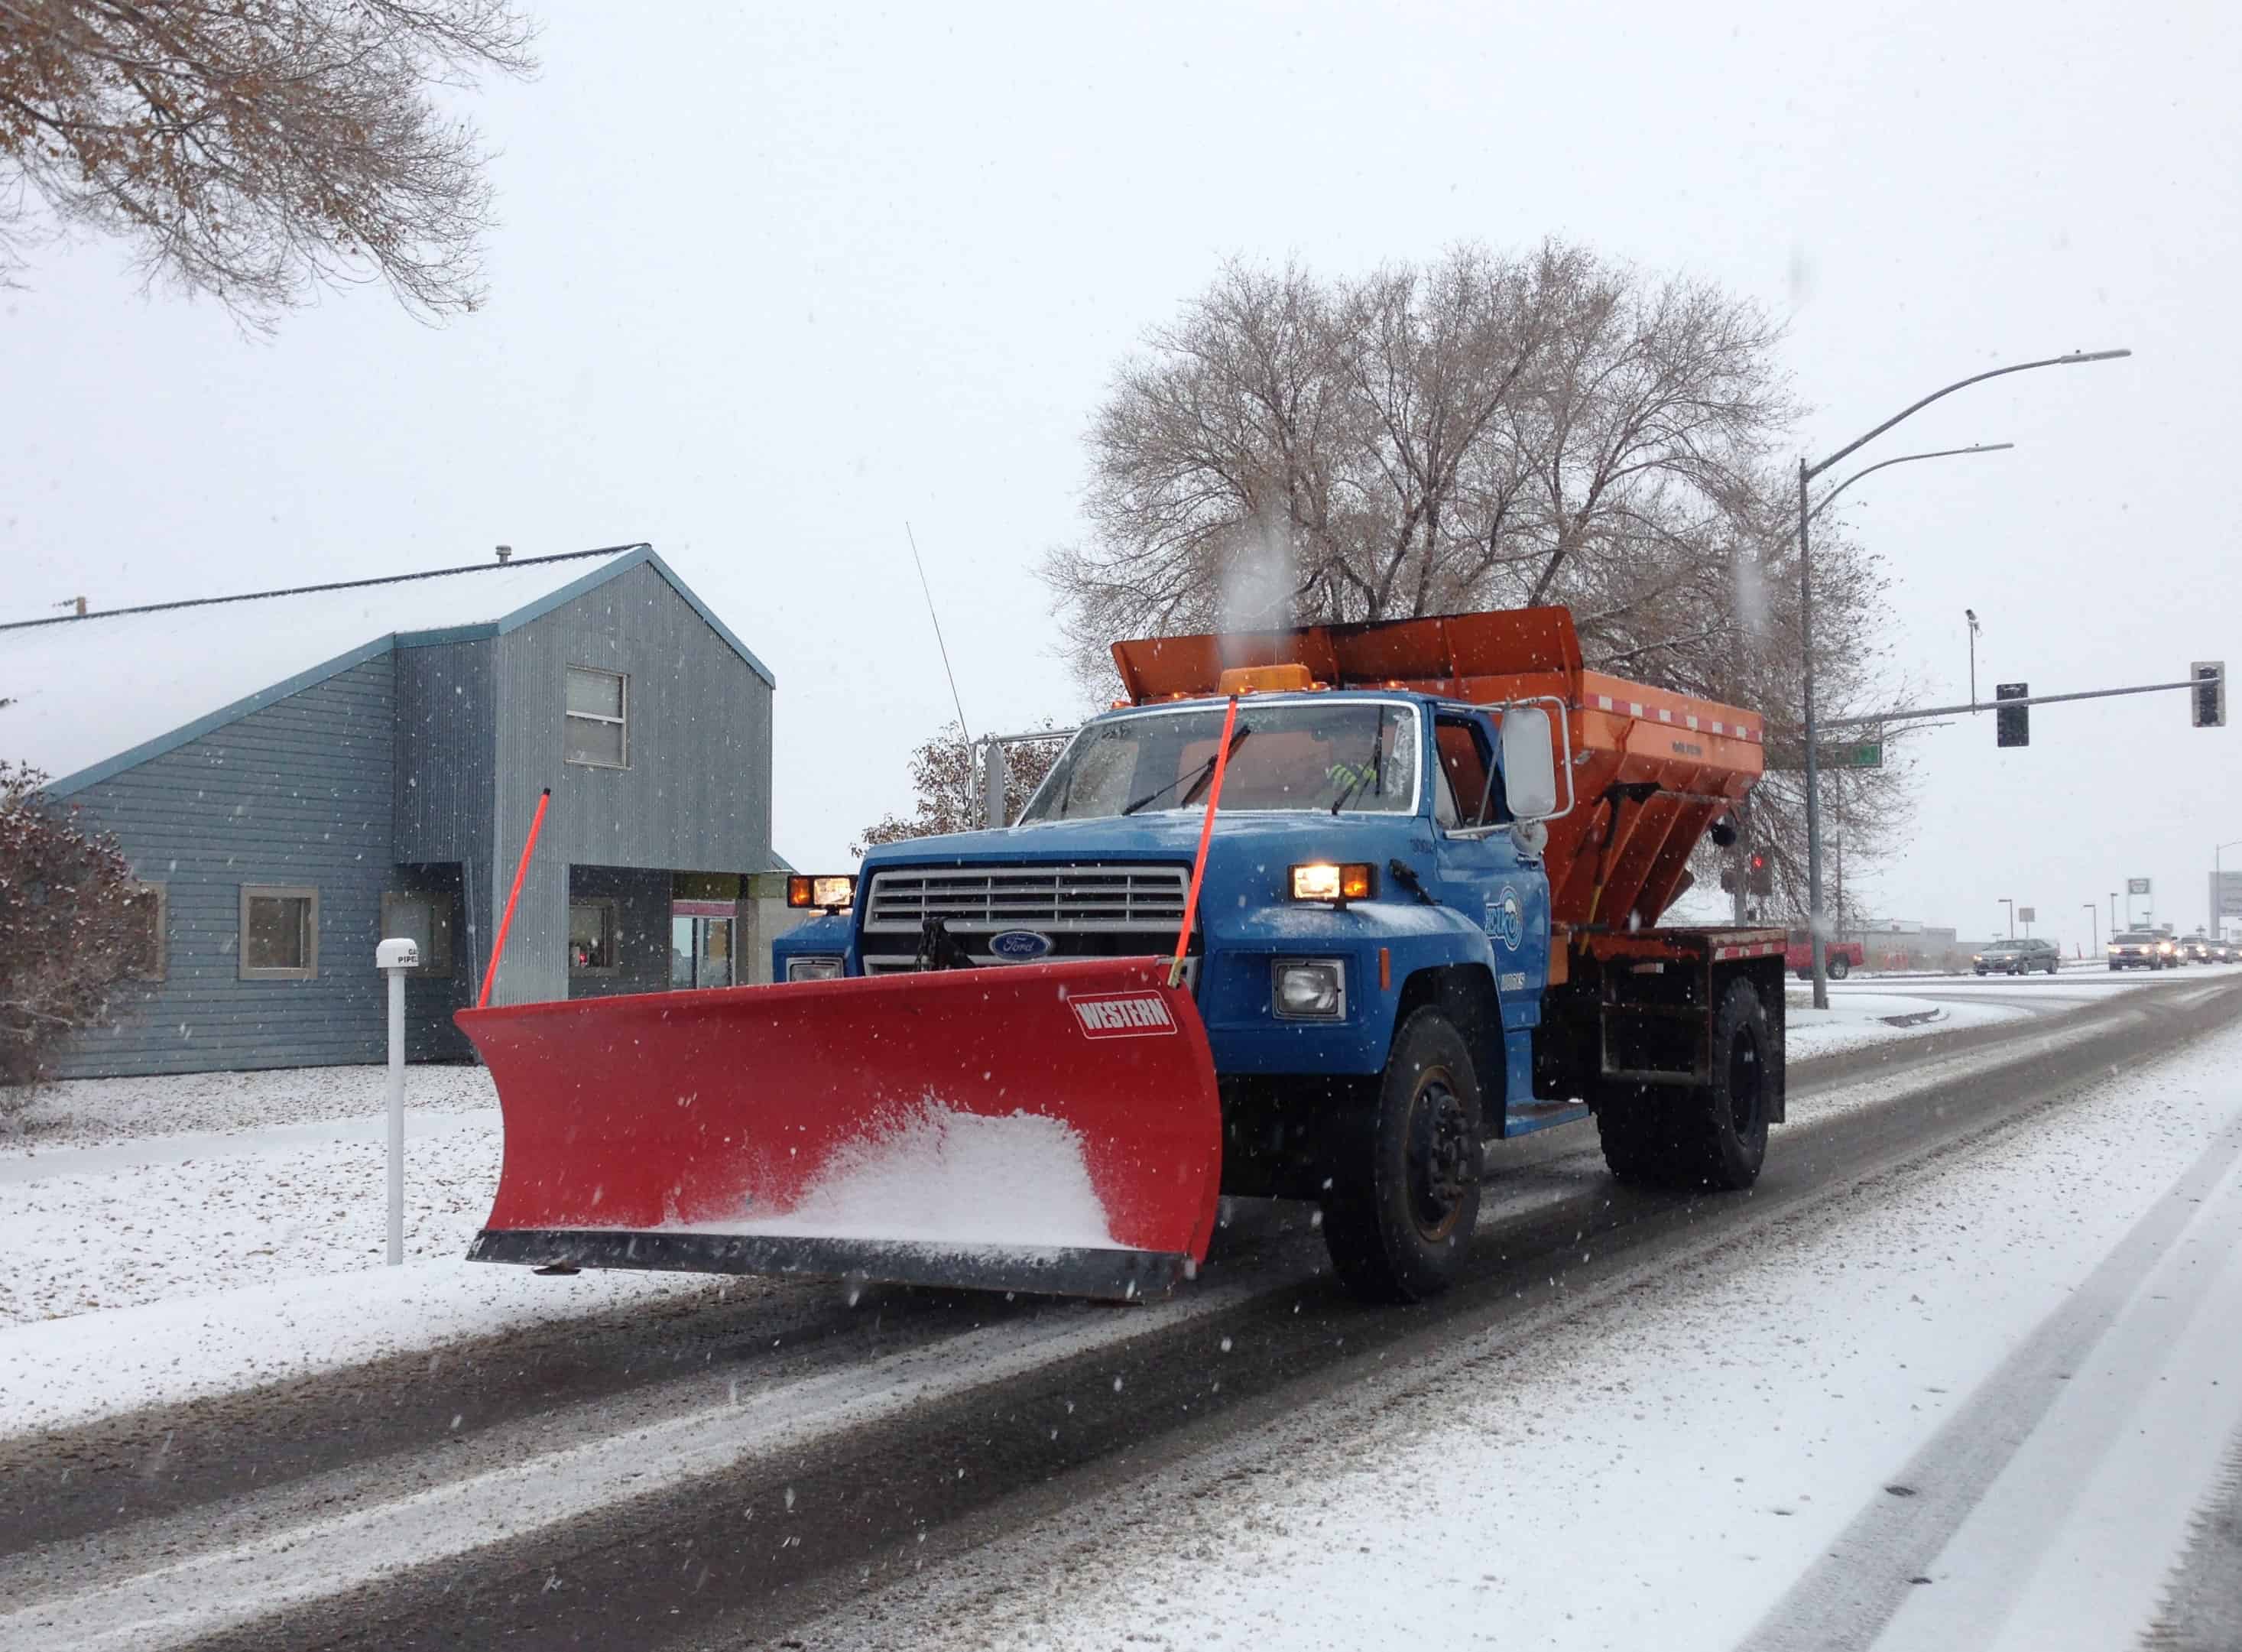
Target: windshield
{"x":2136,"y":940}
{"x":1356,"y":756}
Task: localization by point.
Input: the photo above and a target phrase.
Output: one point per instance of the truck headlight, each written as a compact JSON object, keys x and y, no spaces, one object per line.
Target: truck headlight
{"x":1310,"y":989}
{"x":1325,"y":881}
{"x":813,"y":969}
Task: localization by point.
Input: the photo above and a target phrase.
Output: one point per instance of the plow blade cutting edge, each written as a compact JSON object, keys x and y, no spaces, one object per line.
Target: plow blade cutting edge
{"x":1048,"y":1128}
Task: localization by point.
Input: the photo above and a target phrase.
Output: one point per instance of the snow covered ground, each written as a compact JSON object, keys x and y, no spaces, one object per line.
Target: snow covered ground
{"x":2008,"y":1381}
{"x":169,"y":1238}
{"x":1856,"y":1018}
{"x":81,"y":1112}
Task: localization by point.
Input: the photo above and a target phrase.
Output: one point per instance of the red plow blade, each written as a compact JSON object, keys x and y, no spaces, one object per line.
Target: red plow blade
{"x":1049,"y":1128}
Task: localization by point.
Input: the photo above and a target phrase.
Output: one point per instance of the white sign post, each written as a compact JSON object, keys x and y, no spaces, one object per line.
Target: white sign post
{"x":393,"y":958}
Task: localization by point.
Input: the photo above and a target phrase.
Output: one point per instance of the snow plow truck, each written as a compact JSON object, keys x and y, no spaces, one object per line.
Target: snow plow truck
{"x":1313,"y":914}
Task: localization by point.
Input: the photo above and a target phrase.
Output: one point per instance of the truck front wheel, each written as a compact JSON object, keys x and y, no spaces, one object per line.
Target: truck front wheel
{"x":1711,"y":1137}
{"x":1405,"y":1195}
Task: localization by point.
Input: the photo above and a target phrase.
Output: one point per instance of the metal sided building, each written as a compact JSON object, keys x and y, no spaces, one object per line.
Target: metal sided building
{"x":296,"y":773}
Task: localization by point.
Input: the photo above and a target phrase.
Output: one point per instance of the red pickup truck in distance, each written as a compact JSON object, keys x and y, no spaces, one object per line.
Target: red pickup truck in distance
{"x":1843,"y":956}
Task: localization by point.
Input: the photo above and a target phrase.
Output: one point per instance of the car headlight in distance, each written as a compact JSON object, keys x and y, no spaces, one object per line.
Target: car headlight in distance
{"x":1328,"y":881}
{"x":833,"y":893}
{"x":813,"y":969}
{"x":1310,"y":989}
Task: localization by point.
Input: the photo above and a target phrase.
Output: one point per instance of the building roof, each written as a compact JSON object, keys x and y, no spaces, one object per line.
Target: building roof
{"x":84,"y":697}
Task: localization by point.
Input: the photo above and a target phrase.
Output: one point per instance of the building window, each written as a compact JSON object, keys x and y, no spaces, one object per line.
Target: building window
{"x":425,"y":920}
{"x":147,"y":911}
{"x":279,"y":932}
{"x":598,"y":706}
{"x":592,"y":933}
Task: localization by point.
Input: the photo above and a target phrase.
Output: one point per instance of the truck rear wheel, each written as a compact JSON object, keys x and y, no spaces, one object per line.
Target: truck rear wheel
{"x":1839,"y":967}
{"x":1711,"y":1137}
{"x":1404,"y":1197}
{"x":1627,"y":1124}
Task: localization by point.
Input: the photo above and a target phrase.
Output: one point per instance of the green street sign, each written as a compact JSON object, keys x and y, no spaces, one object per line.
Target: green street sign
{"x":1859,"y":754}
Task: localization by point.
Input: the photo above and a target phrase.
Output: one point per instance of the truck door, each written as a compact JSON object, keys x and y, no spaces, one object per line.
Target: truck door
{"x":1480,"y":869}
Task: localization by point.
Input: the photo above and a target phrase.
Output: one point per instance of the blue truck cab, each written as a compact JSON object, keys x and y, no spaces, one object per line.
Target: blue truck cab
{"x":1363,"y":861}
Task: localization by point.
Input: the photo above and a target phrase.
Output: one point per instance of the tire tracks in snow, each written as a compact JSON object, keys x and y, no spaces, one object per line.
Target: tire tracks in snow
{"x":1848,"y":1598}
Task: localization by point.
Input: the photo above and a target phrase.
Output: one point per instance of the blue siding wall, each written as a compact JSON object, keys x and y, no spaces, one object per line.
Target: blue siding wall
{"x":301,"y":792}
{"x":446,"y":755}
{"x":695,"y":797}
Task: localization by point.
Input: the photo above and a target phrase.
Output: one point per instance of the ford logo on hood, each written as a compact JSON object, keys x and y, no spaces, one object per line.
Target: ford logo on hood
{"x":1021,"y":946}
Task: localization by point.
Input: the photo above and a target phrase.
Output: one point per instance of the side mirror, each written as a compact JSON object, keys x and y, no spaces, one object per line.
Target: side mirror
{"x":1529,"y":763}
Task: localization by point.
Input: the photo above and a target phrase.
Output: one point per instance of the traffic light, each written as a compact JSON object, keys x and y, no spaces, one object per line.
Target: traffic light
{"x":2012,"y":724}
{"x":2208,"y":697}
{"x":1759,"y":876}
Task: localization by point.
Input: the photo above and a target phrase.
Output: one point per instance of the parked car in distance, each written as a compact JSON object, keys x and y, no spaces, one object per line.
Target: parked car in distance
{"x":2018,"y":957}
{"x":1840,"y":957}
{"x":2142,"y":950}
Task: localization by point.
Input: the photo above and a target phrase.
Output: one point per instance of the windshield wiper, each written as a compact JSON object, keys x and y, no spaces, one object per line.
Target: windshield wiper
{"x":1197,"y":777}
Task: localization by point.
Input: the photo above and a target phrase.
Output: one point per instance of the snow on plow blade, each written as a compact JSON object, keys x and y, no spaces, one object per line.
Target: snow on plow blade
{"x":1050,"y":1128}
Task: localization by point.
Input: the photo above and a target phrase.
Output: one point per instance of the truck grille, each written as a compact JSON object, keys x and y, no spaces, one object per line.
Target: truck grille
{"x":1106,"y":899}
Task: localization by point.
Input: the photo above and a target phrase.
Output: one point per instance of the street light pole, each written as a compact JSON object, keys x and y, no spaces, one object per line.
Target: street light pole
{"x":2011,"y":905}
{"x":2113,"y":915}
{"x":1806,"y":474}
{"x":2094,"y":916}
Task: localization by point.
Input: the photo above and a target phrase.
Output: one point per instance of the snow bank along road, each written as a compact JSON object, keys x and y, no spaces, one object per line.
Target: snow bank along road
{"x":794,"y":1463}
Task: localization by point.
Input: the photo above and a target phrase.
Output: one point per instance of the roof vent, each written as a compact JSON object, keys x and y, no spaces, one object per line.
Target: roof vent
{"x":504,"y":551}
{"x":73,"y":602}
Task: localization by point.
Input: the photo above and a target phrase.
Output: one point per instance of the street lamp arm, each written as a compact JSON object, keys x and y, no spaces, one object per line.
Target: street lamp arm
{"x":2072,"y":359}
{"x":1905,"y":458}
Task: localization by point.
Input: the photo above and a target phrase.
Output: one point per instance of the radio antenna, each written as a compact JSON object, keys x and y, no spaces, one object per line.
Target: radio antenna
{"x":964,"y":733}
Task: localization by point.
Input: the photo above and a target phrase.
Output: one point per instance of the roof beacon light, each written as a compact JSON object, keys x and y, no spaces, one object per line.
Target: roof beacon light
{"x":1265,"y":679}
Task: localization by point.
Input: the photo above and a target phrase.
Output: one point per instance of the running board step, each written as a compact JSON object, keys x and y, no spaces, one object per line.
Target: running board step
{"x":1539,"y":1115}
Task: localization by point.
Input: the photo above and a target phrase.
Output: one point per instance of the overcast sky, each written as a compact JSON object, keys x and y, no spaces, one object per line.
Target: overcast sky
{"x":772,"y":281}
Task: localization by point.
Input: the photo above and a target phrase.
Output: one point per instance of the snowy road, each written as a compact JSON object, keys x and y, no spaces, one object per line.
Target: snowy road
{"x":915,"y":1470}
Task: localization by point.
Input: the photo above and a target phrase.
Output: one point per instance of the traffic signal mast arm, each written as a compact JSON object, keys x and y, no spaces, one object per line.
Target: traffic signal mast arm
{"x":1917,"y":713}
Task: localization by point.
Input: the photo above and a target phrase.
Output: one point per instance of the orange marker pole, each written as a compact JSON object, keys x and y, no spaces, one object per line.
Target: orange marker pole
{"x":490,"y":974}
{"x":1205,"y":835}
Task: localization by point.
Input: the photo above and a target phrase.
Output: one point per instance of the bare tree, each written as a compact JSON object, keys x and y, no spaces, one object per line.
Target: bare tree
{"x":71,"y":928}
{"x":1488,"y":431}
{"x":256,"y":150}
{"x":946,"y":790}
